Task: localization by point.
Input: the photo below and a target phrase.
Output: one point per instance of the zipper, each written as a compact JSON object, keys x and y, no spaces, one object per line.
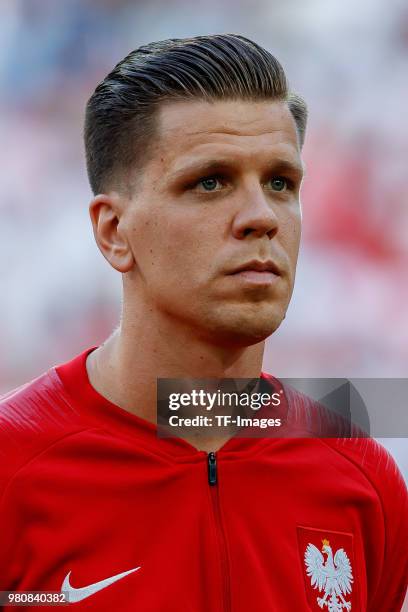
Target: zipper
{"x":215,"y":498}
{"x":212,"y":469}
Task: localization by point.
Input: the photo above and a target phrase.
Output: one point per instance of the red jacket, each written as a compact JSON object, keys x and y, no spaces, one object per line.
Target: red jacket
{"x":95,"y":503}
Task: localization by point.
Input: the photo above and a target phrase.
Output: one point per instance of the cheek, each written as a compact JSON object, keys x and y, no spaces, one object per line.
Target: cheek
{"x":290,"y":230}
{"x":172,"y":250}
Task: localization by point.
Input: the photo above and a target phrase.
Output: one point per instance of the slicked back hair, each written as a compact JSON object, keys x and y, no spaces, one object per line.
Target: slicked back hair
{"x":121,"y":114}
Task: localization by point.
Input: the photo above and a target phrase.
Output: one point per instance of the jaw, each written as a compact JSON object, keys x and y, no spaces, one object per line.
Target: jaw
{"x":218,"y":317}
{"x":242,"y":324}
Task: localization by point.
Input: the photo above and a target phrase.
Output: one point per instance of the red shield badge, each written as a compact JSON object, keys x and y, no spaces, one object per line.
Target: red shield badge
{"x":328,"y":565}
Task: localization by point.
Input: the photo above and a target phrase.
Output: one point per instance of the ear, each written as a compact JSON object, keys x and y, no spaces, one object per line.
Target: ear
{"x":105,"y":212}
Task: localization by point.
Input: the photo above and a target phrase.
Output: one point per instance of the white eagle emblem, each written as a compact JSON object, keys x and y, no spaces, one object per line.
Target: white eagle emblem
{"x":333,"y":576}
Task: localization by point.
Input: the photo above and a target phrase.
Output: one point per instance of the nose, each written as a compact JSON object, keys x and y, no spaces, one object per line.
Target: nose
{"x":256,"y":216}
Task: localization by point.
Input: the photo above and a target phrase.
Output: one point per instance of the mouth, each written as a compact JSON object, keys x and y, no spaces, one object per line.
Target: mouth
{"x":257,"y":272}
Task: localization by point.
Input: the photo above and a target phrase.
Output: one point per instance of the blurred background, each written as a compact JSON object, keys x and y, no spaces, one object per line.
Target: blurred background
{"x":348,"y":316}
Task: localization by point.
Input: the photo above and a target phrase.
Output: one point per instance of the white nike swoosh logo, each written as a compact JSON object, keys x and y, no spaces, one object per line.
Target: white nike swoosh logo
{"x":74,"y":595}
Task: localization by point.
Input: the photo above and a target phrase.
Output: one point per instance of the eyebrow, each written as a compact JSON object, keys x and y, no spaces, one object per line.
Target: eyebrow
{"x":212,"y":165}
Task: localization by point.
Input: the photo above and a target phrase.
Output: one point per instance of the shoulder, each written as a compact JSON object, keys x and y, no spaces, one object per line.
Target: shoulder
{"x":32,"y":418}
{"x":336,"y":433}
{"x":336,"y":429}
{"x":356,"y":450}
{"x":380,"y":470}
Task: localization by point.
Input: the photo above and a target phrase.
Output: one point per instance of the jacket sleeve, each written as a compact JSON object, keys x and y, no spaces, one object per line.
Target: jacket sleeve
{"x":391,"y":589}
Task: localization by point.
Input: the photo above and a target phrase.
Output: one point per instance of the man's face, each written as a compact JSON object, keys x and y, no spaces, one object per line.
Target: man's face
{"x":214,"y":220}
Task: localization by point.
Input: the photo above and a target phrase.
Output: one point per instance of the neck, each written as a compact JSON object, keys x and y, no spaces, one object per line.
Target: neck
{"x":150,"y":346}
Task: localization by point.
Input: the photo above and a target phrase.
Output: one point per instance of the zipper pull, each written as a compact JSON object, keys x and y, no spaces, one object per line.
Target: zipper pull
{"x":212,"y":468}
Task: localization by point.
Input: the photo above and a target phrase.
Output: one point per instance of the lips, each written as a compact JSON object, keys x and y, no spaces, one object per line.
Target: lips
{"x":256,"y":265}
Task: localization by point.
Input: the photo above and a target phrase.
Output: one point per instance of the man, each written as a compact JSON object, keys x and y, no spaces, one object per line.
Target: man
{"x":194,"y":156}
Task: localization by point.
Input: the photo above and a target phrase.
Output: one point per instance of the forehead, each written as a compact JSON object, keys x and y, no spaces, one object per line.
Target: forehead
{"x":235,"y":128}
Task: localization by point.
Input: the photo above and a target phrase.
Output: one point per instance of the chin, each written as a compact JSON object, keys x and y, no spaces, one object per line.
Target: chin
{"x":245,"y":329}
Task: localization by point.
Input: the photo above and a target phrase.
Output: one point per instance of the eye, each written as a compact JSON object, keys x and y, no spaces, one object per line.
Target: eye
{"x":278,"y":183}
{"x":209,"y":183}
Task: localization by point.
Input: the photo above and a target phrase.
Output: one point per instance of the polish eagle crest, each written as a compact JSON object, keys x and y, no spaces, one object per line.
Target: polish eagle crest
{"x":332,"y":575}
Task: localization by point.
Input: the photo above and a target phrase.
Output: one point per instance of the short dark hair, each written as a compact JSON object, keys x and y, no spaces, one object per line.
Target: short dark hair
{"x":120,"y":115}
